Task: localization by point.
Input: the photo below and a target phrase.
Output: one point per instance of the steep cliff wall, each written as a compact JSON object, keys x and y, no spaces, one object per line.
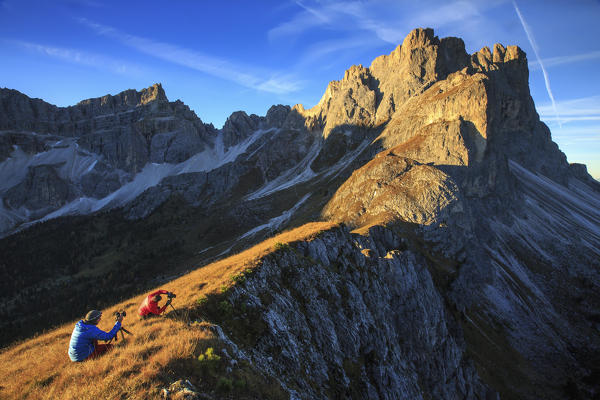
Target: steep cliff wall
{"x":413,"y":311}
{"x":351,"y":316}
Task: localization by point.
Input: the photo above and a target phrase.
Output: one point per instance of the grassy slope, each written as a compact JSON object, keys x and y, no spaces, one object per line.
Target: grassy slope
{"x":160,"y":351}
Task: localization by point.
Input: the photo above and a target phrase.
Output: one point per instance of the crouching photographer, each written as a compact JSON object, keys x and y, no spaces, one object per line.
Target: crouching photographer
{"x":84,"y":339}
{"x":150,"y":306}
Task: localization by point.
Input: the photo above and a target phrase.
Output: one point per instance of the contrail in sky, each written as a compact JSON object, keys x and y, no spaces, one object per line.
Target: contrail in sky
{"x":539,"y":59}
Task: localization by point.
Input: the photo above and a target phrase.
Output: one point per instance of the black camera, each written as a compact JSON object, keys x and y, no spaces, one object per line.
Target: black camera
{"x":122,"y":313}
{"x":171,"y":295}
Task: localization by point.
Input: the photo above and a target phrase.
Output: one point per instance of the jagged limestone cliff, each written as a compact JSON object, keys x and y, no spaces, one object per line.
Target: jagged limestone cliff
{"x":351,"y":316}
{"x":465,"y":177}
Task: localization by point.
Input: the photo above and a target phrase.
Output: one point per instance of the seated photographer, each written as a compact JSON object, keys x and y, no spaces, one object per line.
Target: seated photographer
{"x":149,"y":306}
{"x":84,"y":339}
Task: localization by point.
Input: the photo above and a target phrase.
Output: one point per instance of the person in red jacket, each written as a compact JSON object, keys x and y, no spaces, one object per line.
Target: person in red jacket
{"x":150,"y":306}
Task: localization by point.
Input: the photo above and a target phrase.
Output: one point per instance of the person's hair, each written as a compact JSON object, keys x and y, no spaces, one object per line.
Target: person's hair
{"x":157,"y":298}
{"x":93,"y":317}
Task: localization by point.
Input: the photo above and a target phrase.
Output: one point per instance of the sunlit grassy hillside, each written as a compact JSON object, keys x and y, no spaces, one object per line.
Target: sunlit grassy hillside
{"x":160,"y":351}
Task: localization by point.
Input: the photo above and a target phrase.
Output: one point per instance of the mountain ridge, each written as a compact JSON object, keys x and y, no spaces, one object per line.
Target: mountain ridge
{"x":460,"y":216}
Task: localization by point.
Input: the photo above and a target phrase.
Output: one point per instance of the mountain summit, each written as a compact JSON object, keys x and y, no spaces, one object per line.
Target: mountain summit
{"x":444,"y":248}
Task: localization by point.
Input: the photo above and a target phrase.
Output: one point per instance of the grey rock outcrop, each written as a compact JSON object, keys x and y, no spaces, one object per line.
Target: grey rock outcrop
{"x":30,"y":144}
{"x":121,"y":128}
{"x":463,"y":308}
{"x":367,"y":97}
{"x":392,"y":188}
{"x":263,"y":161}
{"x":349,"y":316}
{"x":42,"y":190}
{"x":238,"y":127}
{"x":100,"y":181}
{"x":118,"y":134}
{"x":277,"y":116}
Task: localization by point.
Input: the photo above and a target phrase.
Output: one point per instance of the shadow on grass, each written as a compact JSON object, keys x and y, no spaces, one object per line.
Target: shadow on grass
{"x":212,"y":370}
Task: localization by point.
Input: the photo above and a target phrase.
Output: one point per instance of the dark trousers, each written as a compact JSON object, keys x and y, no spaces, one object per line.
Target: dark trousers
{"x":99,"y":349}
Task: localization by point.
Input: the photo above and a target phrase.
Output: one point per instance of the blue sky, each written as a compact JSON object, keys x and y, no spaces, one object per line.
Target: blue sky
{"x":219,"y":57}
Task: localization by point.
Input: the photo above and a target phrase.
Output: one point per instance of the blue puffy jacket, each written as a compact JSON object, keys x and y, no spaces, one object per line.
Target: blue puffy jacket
{"x":82,"y":339}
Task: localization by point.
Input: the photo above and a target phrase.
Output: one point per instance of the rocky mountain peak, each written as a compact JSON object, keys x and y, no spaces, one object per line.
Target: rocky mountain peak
{"x":123,"y":101}
{"x":419,"y":38}
{"x":486,"y":60}
{"x":238,"y":126}
{"x":368,"y":97}
{"x":438,"y":75}
{"x":154,"y":92}
{"x":277,"y":115}
{"x":357,"y":72}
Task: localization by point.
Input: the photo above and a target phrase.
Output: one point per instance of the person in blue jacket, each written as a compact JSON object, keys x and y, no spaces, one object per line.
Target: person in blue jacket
{"x":84,"y":339}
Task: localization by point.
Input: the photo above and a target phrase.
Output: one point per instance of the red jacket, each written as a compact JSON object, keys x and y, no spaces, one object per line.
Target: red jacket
{"x":149,"y":306}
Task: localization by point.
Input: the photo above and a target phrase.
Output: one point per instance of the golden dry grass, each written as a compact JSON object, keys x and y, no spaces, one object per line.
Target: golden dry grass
{"x":139,"y":366}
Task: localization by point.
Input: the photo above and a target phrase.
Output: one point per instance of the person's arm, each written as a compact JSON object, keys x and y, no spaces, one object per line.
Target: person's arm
{"x":160,"y":291}
{"x":163,"y":308}
{"x":99,"y":334}
{"x":153,"y":307}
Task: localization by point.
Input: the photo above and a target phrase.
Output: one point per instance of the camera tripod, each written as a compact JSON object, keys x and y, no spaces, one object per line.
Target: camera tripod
{"x":122,"y":334}
{"x":122,"y":328}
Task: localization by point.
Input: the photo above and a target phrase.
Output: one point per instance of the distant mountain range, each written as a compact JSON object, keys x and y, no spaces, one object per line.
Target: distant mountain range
{"x":483,"y":242}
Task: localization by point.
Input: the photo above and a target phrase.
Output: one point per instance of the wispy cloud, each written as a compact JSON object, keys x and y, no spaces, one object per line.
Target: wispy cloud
{"x":554,"y":61}
{"x":335,"y":16}
{"x":582,"y":144}
{"x":306,"y":19}
{"x":387,"y":21}
{"x":562,"y":120}
{"x":578,"y":134}
{"x":383,"y":15}
{"x":314,"y":12}
{"x":446,"y":14}
{"x":369,"y":18}
{"x":579,"y":131}
{"x":531,"y":39}
{"x":324,"y":49}
{"x":246,"y":76}
{"x":97,"y":61}
{"x":581,"y":109}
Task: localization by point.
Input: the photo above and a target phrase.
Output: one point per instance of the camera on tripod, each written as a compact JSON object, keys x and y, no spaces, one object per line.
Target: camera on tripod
{"x":121,"y":314}
{"x":171,"y":295}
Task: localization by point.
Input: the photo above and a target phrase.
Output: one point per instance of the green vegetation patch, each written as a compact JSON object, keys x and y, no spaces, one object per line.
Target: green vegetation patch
{"x":212,"y":371}
{"x":282,"y":246}
{"x":242,"y":276}
{"x":240,"y":320}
